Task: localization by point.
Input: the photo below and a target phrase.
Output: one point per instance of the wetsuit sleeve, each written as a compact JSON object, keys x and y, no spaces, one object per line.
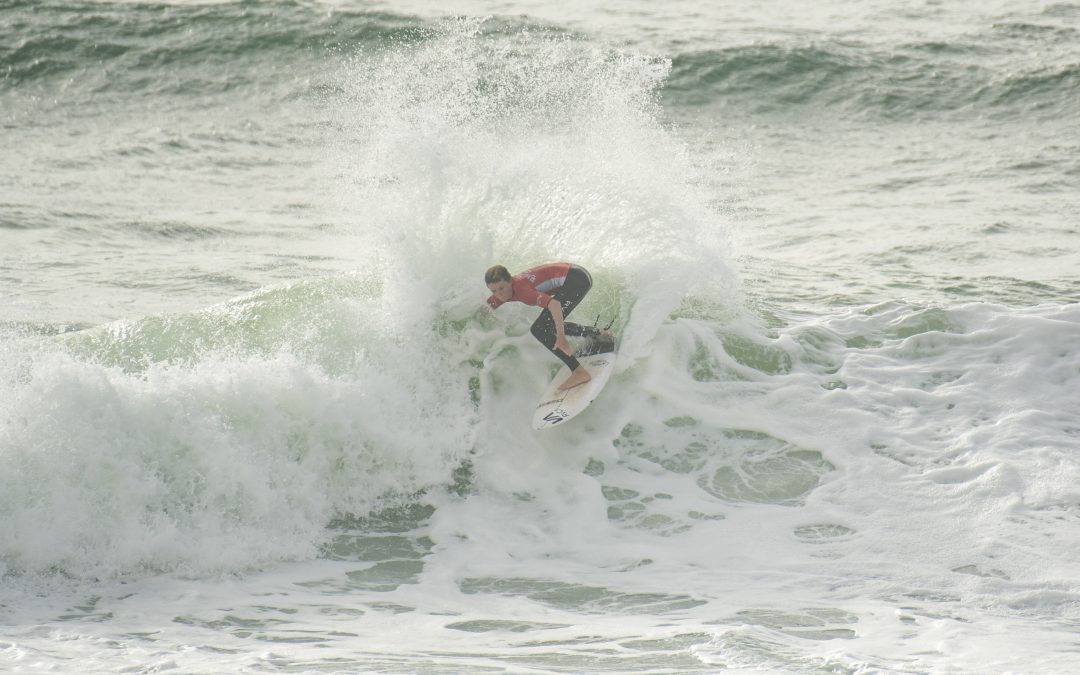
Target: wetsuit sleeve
{"x":494,"y":302}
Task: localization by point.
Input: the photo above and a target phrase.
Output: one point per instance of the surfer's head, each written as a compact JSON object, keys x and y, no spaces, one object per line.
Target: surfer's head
{"x":499,"y":282}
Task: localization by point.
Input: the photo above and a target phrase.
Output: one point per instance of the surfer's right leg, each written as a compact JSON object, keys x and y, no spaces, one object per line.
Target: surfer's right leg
{"x":576,"y":379}
{"x":543,"y":329}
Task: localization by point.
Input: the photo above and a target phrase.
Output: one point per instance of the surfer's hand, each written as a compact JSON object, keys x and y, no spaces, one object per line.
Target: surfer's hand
{"x":562,"y":344}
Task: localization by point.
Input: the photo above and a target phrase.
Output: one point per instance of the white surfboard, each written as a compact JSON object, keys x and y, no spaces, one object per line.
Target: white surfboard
{"x":556,"y":406}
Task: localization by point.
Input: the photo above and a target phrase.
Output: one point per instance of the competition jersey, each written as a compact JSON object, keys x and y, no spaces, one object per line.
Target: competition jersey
{"x":535,"y":286}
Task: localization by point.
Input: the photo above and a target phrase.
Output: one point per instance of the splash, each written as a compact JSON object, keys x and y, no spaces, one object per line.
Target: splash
{"x":229,"y":437}
{"x":481,"y":143}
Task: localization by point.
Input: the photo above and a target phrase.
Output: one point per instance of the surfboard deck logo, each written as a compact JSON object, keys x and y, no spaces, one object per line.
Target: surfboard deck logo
{"x":598,"y":357}
{"x":555,"y":416}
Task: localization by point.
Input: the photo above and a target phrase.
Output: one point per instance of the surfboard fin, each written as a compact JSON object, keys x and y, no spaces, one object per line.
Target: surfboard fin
{"x":596,"y":330}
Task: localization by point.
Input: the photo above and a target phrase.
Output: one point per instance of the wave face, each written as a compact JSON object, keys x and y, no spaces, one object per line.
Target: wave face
{"x":114,"y":48}
{"x":225,"y":438}
{"x":117,"y":49}
{"x":973,"y":75}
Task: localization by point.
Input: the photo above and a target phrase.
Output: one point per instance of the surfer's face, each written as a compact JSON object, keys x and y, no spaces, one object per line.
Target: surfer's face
{"x":503,"y":290}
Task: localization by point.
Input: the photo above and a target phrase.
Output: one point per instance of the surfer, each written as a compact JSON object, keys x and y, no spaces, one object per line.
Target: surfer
{"x":558,"y":288}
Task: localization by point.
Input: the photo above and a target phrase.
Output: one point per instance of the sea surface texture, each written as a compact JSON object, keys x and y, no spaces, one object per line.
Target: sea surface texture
{"x":256,"y":418}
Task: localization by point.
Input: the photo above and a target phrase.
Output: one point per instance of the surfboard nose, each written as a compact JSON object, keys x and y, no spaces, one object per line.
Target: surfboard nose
{"x":557,"y":406}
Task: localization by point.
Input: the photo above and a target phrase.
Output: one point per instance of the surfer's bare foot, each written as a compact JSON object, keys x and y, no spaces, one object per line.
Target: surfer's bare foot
{"x":576,"y":379}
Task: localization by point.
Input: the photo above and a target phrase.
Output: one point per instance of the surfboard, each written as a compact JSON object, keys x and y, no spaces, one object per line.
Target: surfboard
{"x":555,"y":407}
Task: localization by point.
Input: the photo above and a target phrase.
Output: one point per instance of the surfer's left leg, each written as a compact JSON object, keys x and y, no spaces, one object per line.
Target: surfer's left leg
{"x":577,"y":285}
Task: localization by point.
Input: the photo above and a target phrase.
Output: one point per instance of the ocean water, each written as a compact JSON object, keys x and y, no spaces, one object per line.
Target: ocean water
{"x":255,"y":419}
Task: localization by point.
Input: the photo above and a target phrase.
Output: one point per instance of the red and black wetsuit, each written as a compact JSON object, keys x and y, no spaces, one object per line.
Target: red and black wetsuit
{"x":538,"y":286}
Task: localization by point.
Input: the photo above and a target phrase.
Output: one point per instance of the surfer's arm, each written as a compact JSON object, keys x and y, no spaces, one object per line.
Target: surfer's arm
{"x":560,"y":335}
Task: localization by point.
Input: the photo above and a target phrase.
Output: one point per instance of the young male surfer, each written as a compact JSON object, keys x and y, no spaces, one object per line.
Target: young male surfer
{"x":558,"y":288}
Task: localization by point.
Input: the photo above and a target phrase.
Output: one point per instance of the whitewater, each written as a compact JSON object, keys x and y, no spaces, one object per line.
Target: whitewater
{"x":255,"y":416}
